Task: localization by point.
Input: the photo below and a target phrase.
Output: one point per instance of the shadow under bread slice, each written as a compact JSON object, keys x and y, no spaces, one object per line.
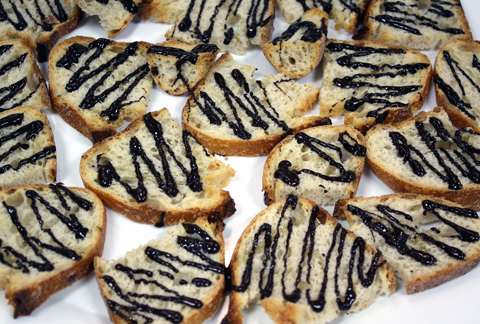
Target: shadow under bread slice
{"x":21,"y":82}
{"x":231,"y":113}
{"x":179,"y":278}
{"x":49,"y":236}
{"x":40,"y":23}
{"x":371,"y":83}
{"x":301,"y":265}
{"x":416,"y":24}
{"x":427,"y":240}
{"x":27,"y":148}
{"x":457,"y":82}
{"x":427,"y":155}
{"x":97,"y":84}
{"x":299,"y":49}
{"x":322,"y":164}
{"x":154,"y":173}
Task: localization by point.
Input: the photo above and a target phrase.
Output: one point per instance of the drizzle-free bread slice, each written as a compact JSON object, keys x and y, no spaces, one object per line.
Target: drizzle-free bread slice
{"x":231,"y":113}
{"x":177,"y":67}
{"x":344,"y":13}
{"x":372,"y":83}
{"x":231,"y":25}
{"x":114,"y":15}
{"x":178,"y":278}
{"x":21,"y":82}
{"x":322,"y":163}
{"x":303,"y":267}
{"x":40,"y":23}
{"x":154,"y":173}
{"x":427,"y":155}
{"x":417,"y":24}
{"x":27,"y":148}
{"x":96,"y":84}
{"x":457,"y":82}
{"x":299,"y":49}
{"x":49,"y":235}
{"x":402,"y":227}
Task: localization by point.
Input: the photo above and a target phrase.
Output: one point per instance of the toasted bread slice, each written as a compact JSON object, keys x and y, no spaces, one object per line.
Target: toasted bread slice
{"x":402,"y":227}
{"x":154,"y":173}
{"x":49,"y":237}
{"x":427,"y":155}
{"x":231,"y":113}
{"x":302,"y":266}
{"x":371,"y":83}
{"x":178,"y":278}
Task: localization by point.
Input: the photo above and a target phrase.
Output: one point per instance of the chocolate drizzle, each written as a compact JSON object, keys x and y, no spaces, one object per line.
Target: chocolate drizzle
{"x":459,"y":158}
{"x":303,"y":271}
{"x":103,"y":73}
{"x":197,"y":243}
{"x":326,"y":5}
{"x":381,"y":97}
{"x":128,"y":5}
{"x":24,"y":135}
{"x":310,"y":32}
{"x":398,"y":229}
{"x":107,"y":173}
{"x":291,"y":178}
{"x":14,"y":257}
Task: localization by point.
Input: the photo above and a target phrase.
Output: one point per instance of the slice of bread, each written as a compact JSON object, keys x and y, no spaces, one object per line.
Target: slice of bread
{"x":49,"y":237}
{"x":303,"y":267}
{"x":345,"y":13}
{"x":427,"y":240}
{"x":299,"y":49}
{"x":22,"y":83}
{"x":96,"y":84}
{"x":418,"y":24}
{"x":40,"y":23}
{"x":427,"y":155}
{"x":27,"y":148}
{"x":371,"y":83}
{"x":322,"y":164}
{"x":231,"y":113}
{"x":177,"y":67}
{"x":114,"y":15}
{"x":154,"y":173}
{"x":457,"y":82}
{"x":178,"y":278}
{"x":231,"y":25}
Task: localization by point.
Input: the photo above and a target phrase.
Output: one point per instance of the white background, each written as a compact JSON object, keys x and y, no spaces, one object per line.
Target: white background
{"x":453,"y":302}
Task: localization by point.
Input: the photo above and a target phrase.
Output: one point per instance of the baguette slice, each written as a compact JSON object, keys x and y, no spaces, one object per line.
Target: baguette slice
{"x":177,"y":67}
{"x":22,"y":83}
{"x":418,"y":24}
{"x":231,"y":113}
{"x":296,"y":260}
{"x":49,"y":236}
{"x":371,"y":83}
{"x":27,"y":148}
{"x":114,"y":15}
{"x":40,"y":23}
{"x":401,"y":226}
{"x":322,"y":164}
{"x":178,"y":278}
{"x":457,"y":82}
{"x":345,"y":13}
{"x":96,"y":84}
{"x":299,"y":49}
{"x":154,"y":173}
{"x":229,"y":24}
{"x":427,"y":155}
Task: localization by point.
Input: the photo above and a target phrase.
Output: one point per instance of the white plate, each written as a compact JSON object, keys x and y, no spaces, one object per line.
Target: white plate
{"x":453,"y":302}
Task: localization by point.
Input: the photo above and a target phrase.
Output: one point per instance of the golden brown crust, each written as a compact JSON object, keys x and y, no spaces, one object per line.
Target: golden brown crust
{"x":26,"y":298}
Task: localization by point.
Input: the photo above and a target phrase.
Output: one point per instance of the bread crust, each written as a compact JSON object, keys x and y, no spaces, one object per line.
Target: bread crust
{"x":419,"y":283}
{"x":27,"y":297}
{"x":467,"y":197}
